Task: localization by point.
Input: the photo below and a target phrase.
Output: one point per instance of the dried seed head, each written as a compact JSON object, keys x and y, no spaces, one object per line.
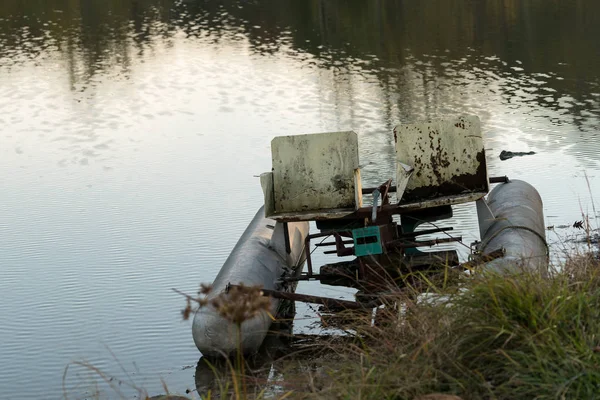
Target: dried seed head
{"x":238,"y":304}
{"x":187,"y":310}
{"x":201,"y":300}
{"x":204,"y":289}
{"x":241,"y":303}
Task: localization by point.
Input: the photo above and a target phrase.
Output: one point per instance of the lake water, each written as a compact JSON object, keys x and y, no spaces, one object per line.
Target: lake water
{"x":131,"y":132}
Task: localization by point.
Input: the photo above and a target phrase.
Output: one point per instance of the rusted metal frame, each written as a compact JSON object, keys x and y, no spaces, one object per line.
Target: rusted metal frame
{"x":404,"y":244}
{"x":493,"y":179}
{"x":385,"y":189}
{"x":424,"y":232}
{"x":396,"y":209}
{"x":333,"y":243}
{"x":339,"y":244}
{"x":346,"y":251}
{"x":304,"y":278}
{"x":326,"y":301}
{"x":370,"y":190}
{"x":341,"y":249}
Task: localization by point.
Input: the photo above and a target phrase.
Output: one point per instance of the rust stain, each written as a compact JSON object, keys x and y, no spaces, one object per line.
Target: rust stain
{"x":464,"y":183}
{"x":460,"y":124}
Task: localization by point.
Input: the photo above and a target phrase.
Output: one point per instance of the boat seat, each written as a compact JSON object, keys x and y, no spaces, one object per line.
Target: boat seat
{"x":448,"y":161}
{"x":314,"y":177}
{"x":317,"y":176}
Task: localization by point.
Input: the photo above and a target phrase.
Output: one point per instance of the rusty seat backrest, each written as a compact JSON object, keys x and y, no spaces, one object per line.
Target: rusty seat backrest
{"x":448,"y":158}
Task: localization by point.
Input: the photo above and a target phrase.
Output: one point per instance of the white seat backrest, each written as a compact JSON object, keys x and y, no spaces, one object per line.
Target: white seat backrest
{"x":314,"y":172}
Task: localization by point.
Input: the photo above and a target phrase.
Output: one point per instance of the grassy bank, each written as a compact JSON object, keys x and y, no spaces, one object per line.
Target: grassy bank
{"x":482,"y":336}
{"x":518,"y":337}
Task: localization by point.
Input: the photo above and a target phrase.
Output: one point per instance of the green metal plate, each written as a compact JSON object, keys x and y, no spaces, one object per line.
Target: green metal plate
{"x":367,"y":241}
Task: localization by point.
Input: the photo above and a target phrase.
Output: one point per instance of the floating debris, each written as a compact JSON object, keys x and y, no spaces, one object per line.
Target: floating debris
{"x":505,"y":155}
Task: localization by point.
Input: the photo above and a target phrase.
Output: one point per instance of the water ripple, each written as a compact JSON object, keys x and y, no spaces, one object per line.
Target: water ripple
{"x":130,"y":141}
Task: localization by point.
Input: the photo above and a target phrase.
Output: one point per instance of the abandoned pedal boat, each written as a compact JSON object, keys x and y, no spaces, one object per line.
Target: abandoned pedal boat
{"x":316,"y":178}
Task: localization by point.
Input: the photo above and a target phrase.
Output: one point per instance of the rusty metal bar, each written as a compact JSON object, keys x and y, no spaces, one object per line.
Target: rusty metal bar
{"x":371,"y":190}
{"x":326,"y":301}
{"x":385,"y":189}
{"x":333,"y":243}
{"x":341,"y":253}
{"x":392,"y":189}
{"x":304,"y":278}
{"x":338,"y":239}
{"x":403,"y":244}
{"x":424,"y":232}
